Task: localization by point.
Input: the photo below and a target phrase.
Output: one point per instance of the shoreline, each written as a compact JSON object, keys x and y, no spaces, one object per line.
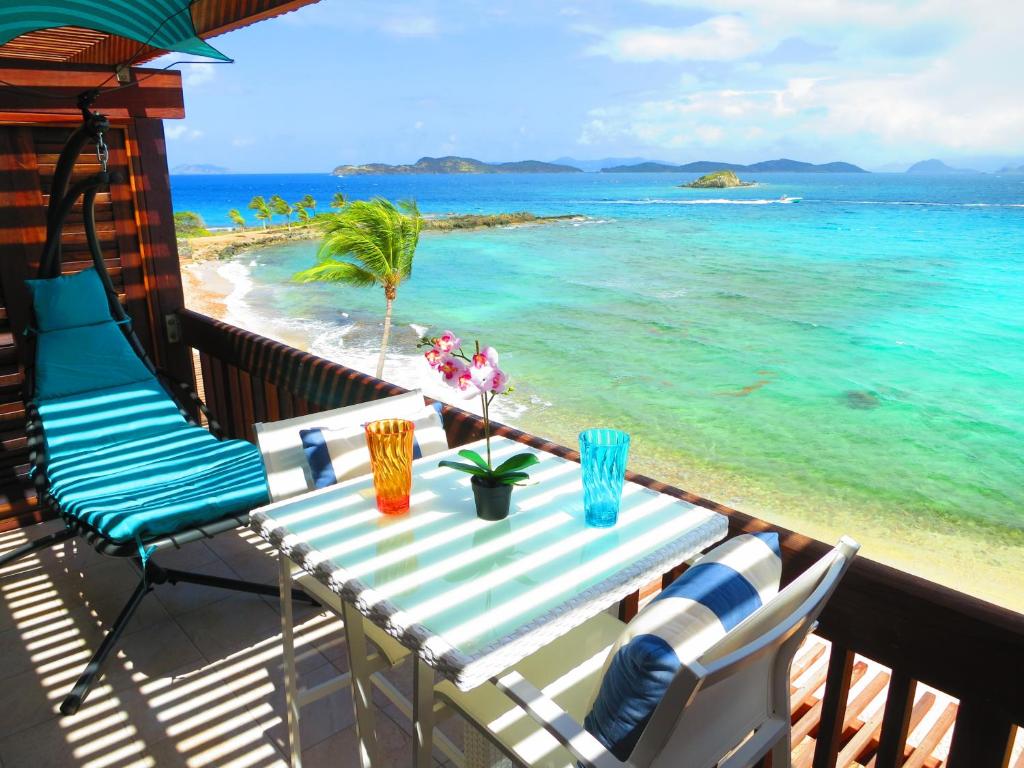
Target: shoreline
{"x":225,"y":245}
{"x":964,"y":558}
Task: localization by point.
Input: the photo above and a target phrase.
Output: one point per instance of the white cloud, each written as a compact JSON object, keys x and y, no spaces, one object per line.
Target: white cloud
{"x":410,"y":26}
{"x":181,"y":131}
{"x":964,"y":96}
{"x":721,"y":38}
{"x":242,"y":141}
{"x":195,"y":75}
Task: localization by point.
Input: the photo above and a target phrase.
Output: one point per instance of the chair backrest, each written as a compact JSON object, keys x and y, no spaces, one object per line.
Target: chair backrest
{"x":288,"y":472}
{"x":737,"y":693}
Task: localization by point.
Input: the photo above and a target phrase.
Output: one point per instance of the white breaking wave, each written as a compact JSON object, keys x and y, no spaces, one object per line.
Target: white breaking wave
{"x":706,"y":201}
{"x":789,"y":201}
{"x":238,"y":312}
{"x":406,"y":370}
{"x":926,"y":203}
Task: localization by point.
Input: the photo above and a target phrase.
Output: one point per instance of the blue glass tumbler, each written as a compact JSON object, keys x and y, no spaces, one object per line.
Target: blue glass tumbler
{"x":603,"y":454}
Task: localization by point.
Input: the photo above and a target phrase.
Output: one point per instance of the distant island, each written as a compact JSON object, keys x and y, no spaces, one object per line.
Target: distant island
{"x":198,"y":169}
{"x":452,"y":164}
{"x":1011,"y":170}
{"x":597,"y":165}
{"x":768,"y":166}
{"x":718,"y":180}
{"x":936,"y":167}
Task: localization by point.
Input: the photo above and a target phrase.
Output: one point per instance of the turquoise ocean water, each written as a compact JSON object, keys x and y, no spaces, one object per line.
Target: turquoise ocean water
{"x":855,"y":359}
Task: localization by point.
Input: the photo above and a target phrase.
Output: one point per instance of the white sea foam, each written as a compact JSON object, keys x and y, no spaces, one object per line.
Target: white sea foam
{"x":238,"y":311}
{"x":705,"y":201}
{"x":923,"y":203}
{"x":406,"y":370}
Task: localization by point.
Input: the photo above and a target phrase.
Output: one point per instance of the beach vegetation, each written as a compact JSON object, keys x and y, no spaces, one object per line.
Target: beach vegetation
{"x":309,"y":203}
{"x":263,"y":212}
{"x":237,"y":218}
{"x":282,"y":207}
{"x":368,"y":243}
{"x":718,"y":180}
{"x":189,"y":224}
{"x":302,"y":213}
{"x":484,"y":220}
{"x":338,"y":200}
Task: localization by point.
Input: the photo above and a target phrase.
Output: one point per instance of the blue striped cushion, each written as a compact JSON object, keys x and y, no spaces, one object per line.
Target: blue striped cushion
{"x":334,"y":455}
{"x":711,"y":597}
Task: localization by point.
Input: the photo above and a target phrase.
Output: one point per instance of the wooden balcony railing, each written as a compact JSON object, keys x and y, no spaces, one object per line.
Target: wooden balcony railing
{"x":923,"y":632}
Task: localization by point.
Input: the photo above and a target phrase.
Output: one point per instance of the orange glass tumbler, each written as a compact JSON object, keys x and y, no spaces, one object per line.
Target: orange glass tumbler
{"x":390,"y":444}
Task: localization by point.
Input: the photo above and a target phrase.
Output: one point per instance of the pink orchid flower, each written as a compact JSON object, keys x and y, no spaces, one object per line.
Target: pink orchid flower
{"x":452,"y":369}
{"x":491,"y":354}
{"x":482,"y":376}
{"x":499,"y":381}
{"x":447,"y":341}
{"x":435,"y":357}
{"x":466,"y":385}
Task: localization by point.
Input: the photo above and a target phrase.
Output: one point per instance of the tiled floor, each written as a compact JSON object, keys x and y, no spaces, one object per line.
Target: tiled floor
{"x":197,"y":680}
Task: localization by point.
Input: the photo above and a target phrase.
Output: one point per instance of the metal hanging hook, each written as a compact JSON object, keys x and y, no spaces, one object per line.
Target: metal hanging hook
{"x":102,"y":152}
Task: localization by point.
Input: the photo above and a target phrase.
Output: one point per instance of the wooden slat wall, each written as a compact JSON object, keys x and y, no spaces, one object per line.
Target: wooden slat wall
{"x":920,"y":631}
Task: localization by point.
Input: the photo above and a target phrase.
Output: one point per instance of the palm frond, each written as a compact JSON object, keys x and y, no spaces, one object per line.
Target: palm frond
{"x":377,"y":236}
{"x":336,"y":272}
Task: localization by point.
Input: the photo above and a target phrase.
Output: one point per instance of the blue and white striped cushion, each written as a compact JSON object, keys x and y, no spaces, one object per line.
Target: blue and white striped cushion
{"x":334,"y":455}
{"x":711,"y":597}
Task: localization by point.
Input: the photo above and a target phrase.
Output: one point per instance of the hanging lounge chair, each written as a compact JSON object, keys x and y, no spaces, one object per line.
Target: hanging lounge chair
{"x":116,"y":451}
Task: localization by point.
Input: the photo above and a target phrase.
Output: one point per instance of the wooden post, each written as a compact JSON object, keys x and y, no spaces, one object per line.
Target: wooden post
{"x":154,"y":218}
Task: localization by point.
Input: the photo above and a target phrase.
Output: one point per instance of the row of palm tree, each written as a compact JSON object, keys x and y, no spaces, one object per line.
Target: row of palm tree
{"x":265,"y":209}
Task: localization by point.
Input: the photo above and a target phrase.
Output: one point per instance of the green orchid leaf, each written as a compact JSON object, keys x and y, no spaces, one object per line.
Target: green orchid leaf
{"x":475,"y":457}
{"x":510,"y":478}
{"x":517,"y":462}
{"x":471,"y":469}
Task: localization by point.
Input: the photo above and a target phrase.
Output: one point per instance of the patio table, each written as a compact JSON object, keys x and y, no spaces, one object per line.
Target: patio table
{"x":471,"y":598}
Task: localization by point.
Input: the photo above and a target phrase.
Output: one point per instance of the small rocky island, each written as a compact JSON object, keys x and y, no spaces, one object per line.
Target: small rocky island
{"x":718,"y":180}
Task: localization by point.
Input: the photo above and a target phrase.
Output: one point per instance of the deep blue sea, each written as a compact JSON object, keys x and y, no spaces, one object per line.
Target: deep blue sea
{"x":853,"y":362}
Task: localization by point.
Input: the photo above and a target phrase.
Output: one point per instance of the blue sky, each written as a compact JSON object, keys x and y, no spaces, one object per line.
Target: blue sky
{"x":868,"y":81}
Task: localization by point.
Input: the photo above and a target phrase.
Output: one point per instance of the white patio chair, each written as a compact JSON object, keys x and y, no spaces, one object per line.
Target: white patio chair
{"x":729,"y":708}
{"x":288,"y":475}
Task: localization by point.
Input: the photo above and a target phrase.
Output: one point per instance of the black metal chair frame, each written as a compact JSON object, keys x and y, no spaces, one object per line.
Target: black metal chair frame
{"x":62,"y":200}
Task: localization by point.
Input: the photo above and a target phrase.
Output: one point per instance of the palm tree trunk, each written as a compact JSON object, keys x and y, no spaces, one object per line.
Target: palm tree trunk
{"x":384,"y":340}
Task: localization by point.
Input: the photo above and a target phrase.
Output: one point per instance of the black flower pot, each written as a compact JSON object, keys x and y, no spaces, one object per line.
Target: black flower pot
{"x":492,"y":501}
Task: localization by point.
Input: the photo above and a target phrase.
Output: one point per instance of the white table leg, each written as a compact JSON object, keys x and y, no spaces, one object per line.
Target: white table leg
{"x":362,"y":688}
{"x":423,"y":714}
{"x":291,"y":682}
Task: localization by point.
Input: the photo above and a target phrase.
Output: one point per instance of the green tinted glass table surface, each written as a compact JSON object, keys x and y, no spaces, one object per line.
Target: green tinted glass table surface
{"x":473,"y":597}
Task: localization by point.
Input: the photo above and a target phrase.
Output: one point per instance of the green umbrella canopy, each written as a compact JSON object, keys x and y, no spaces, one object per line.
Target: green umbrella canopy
{"x":164,"y":24}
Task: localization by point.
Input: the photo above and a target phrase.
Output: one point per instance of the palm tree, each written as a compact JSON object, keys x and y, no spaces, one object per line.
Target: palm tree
{"x":237,"y":218}
{"x":263,"y":212}
{"x":369,"y":243}
{"x":309,"y":203}
{"x":302,"y":214}
{"x":338,"y":200}
{"x":278,"y":205}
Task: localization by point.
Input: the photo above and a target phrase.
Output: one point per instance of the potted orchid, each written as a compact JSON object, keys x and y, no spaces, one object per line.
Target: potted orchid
{"x":478,"y":375}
